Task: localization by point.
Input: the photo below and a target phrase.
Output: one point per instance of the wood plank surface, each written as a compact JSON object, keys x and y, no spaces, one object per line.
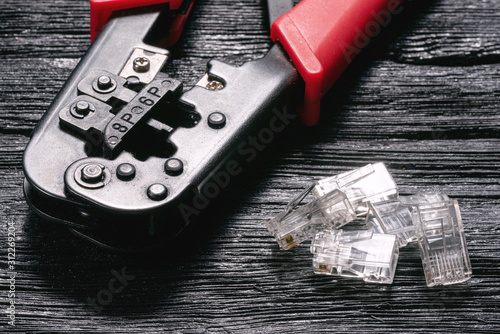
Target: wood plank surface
{"x":423,"y":97}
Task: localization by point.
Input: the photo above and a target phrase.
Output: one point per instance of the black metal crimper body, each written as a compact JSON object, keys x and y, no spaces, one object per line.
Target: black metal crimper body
{"x":124,"y":154}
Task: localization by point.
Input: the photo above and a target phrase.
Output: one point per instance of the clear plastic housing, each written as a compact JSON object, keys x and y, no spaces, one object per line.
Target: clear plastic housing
{"x":441,"y":239}
{"x":371,"y":183}
{"x":390,"y":217}
{"x":360,"y":254}
{"x":423,"y":198}
{"x":295,"y":225}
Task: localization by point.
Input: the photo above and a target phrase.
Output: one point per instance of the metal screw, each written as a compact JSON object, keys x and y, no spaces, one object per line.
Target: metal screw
{"x":173,"y":167}
{"x":157,"y":192}
{"x":125,"y":171}
{"x":141,"y":64}
{"x":215,"y":85}
{"x":216,"y":120}
{"x":92,"y":173}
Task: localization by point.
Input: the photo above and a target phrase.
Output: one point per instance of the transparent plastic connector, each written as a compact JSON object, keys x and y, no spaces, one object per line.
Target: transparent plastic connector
{"x":371,"y":183}
{"x":295,"y":225}
{"x":366,"y":255}
{"x":441,"y":239}
{"x":390,"y":217}
{"x":423,"y":198}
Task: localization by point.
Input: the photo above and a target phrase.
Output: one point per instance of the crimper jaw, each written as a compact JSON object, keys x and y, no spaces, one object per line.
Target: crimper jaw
{"x":143,"y":151}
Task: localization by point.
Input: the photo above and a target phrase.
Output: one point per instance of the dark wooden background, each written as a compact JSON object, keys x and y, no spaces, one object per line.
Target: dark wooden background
{"x":424,"y":98}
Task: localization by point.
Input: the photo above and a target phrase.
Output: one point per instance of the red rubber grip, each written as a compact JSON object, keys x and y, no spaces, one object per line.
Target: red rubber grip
{"x":101,"y":10}
{"x":322,"y":37}
{"x":174,"y":33}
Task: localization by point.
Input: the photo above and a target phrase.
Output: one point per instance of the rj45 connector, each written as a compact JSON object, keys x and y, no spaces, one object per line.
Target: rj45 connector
{"x":371,"y":183}
{"x":441,"y":239}
{"x":361,"y":254}
{"x":294,"y":226}
{"x":390,"y":217}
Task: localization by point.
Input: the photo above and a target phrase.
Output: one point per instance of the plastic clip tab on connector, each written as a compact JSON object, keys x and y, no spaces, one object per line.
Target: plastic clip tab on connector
{"x":370,"y":256}
{"x":371,"y":183}
{"x":441,"y":239}
{"x":390,"y":217}
{"x":294,"y":226}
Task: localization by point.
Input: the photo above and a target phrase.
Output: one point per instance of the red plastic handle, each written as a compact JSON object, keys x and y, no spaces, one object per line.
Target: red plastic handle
{"x":322,"y":37}
{"x":101,"y":10}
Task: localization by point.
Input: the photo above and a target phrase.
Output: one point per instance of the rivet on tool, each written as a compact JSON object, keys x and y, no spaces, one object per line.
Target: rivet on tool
{"x":104,"y":84}
{"x":81,"y":109}
{"x":125,"y":172}
{"x":157,"y":192}
{"x":216,"y":120}
{"x":92,"y":173}
{"x":133,"y":83}
{"x":112,"y":140}
{"x":174,"y":167}
{"x":141,"y":64}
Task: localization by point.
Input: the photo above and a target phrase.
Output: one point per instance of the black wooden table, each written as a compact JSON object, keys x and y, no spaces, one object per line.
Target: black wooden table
{"x":423,"y":97}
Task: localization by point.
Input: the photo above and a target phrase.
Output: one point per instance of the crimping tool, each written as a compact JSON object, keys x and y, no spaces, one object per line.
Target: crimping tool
{"x":124,"y":157}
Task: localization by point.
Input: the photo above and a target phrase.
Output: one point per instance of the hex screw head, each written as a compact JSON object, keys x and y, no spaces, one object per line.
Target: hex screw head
{"x":92,"y":173}
{"x":157,"y":192}
{"x":141,"y":64}
{"x":125,"y":172}
{"x":174,"y":167}
{"x":216,"y":120}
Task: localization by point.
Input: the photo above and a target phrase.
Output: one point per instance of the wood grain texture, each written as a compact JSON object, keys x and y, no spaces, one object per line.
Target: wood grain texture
{"x":423,"y":98}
